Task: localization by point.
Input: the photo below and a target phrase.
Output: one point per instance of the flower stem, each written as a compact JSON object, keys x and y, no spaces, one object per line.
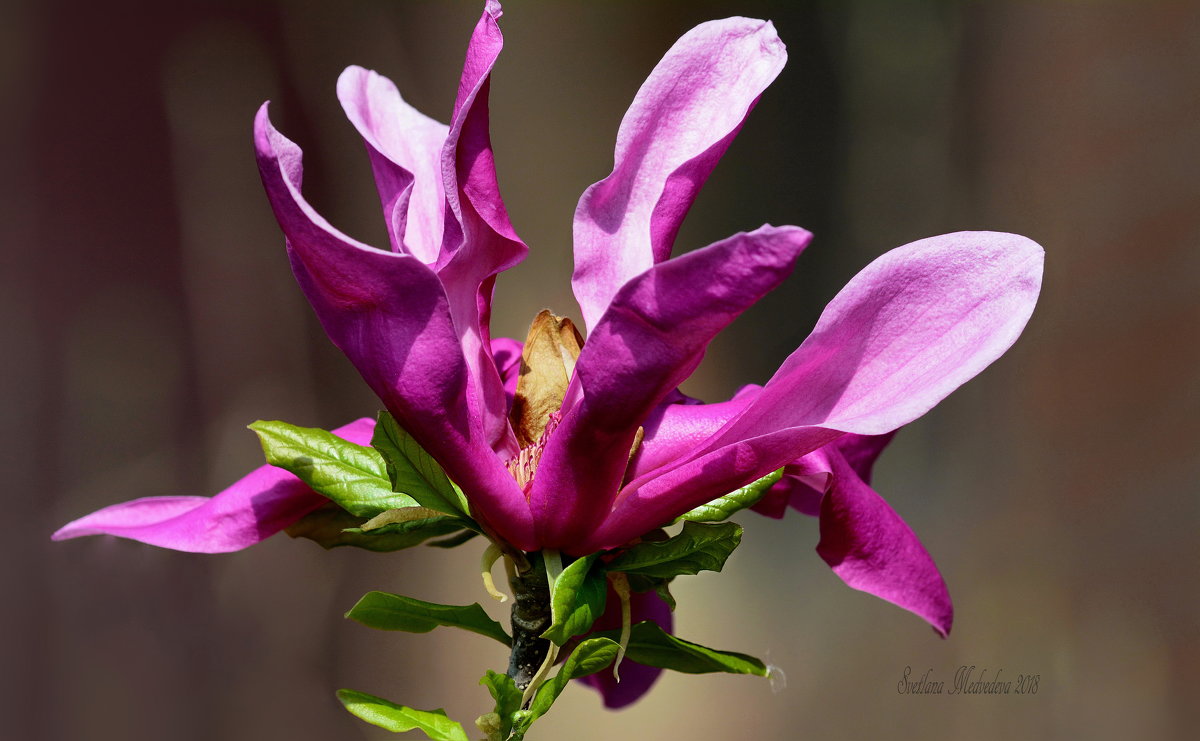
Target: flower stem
{"x":530,"y":618}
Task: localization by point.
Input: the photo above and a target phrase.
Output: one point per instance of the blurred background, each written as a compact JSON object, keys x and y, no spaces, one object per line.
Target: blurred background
{"x":149,"y":314}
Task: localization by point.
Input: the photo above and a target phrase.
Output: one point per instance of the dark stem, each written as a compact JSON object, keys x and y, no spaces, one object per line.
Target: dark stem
{"x":530,"y":618}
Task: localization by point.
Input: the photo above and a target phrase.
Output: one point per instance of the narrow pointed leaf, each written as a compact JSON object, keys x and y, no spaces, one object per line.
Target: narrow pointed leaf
{"x":577,"y":599}
{"x":399,"y":718}
{"x":399,"y":516}
{"x":414,"y":472}
{"x":333,"y":527}
{"x":699,"y":547}
{"x":352,"y":476}
{"x":651,"y":645}
{"x":589,"y":657}
{"x":395,"y":612}
{"x":722,"y":508}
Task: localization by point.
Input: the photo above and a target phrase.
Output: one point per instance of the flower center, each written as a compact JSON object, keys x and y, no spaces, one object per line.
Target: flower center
{"x":547,"y":363}
{"x":524,"y":464}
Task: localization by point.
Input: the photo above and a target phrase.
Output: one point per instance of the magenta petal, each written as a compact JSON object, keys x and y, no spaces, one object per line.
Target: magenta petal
{"x":674,"y":430}
{"x":405,"y":148}
{"x":255,"y":507}
{"x":636,"y":679}
{"x":507,"y":355}
{"x":389,"y":314}
{"x":914,"y":325}
{"x":796,"y":490}
{"x":906,"y":331}
{"x":479,"y":241}
{"x":804,"y":482}
{"x":861,"y":451}
{"x":659,"y":496}
{"x":651,"y":338}
{"x":866,"y":543}
{"x":680,"y":123}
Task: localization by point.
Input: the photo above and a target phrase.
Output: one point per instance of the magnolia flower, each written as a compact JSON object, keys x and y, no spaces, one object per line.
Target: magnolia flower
{"x":586,"y":445}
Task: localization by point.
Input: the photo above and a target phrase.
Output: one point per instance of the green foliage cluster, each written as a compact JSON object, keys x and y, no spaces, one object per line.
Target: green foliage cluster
{"x":393,"y":495}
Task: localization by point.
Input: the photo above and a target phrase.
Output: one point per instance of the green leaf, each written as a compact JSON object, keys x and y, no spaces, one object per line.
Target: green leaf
{"x":333,"y":527}
{"x":395,"y":612}
{"x":400,"y":516}
{"x":589,"y":657}
{"x":400,"y":718}
{"x":722,"y":508}
{"x":651,"y":645}
{"x":641,"y":583}
{"x":698,"y":547}
{"x":352,"y":476}
{"x":576,"y":600}
{"x":507,"y":696}
{"x":414,"y":472}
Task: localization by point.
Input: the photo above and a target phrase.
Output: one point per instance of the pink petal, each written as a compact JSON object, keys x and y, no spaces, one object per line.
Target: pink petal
{"x":255,"y":507}
{"x":680,"y":123}
{"x":910,"y":328}
{"x":390,"y":315}
{"x":636,"y":679}
{"x":866,"y":543}
{"x":650,"y":339}
{"x":405,"y":149}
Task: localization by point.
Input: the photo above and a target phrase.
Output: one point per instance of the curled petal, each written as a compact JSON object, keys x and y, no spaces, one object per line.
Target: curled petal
{"x":796,"y":489}
{"x":866,"y":543}
{"x":388,"y":312}
{"x":405,"y":149}
{"x":680,"y":123}
{"x":636,"y":679}
{"x":804,"y":482}
{"x":479,"y":241}
{"x":861,"y":451}
{"x":651,"y":338}
{"x":507,"y":355}
{"x":255,"y":507}
{"x":906,"y":331}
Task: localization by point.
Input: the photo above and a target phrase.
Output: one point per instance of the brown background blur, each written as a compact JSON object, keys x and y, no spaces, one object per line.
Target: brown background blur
{"x":149,"y":315}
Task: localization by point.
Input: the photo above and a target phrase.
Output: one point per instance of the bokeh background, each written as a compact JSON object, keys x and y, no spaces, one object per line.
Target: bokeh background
{"x":149,"y":315}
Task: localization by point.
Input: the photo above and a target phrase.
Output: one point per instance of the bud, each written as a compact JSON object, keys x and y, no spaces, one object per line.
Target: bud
{"x":547,"y":363}
{"x":490,"y":724}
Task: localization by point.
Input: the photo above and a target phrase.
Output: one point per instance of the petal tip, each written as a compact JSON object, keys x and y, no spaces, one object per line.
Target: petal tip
{"x":264,"y":131}
{"x":762,"y":30}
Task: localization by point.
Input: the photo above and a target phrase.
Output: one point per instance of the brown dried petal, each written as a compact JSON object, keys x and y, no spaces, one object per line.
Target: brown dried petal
{"x":547,"y":363}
